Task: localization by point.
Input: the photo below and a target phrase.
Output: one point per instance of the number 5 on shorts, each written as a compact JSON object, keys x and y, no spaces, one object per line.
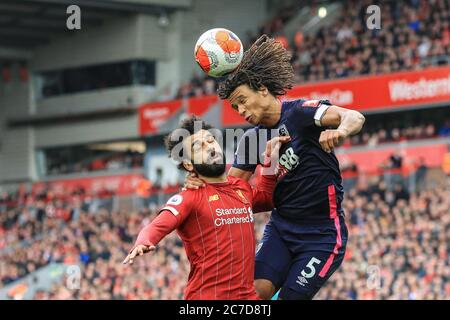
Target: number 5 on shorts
{"x":311,"y":267}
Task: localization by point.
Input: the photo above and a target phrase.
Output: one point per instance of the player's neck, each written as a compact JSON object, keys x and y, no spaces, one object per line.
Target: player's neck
{"x":222,"y":178}
{"x":273,"y":114}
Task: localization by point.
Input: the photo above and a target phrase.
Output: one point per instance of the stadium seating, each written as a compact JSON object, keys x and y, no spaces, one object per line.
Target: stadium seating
{"x":415,"y":35}
{"x":398,"y":248}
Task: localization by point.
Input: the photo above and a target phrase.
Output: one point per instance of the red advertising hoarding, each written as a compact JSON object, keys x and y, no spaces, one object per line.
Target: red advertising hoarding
{"x":400,"y":89}
{"x":369,"y":161}
{"x":153,"y":115}
{"x":366,"y":93}
{"x":200,"y":105}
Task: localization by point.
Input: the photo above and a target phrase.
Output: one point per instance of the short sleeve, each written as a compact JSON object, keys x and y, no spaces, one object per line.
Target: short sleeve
{"x":310,"y":112}
{"x":247,"y":152}
{"x":180,"y":205}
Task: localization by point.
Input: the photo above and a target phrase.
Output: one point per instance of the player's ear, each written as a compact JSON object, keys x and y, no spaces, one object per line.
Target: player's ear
{"x":188,"y":165}
{"x":263,"y":90}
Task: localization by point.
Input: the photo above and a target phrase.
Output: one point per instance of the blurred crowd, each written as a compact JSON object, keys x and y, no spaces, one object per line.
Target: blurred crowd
{"x":398,"y":247}
{"x":23,"y":216}
{"x":393,"y":134}
{"x":97,"y":240}
{"x":414,"y":34}
{"x":97,"y":243}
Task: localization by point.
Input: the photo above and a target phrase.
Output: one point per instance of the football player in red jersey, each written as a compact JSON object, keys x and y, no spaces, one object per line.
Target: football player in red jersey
{"x":215,"y":223}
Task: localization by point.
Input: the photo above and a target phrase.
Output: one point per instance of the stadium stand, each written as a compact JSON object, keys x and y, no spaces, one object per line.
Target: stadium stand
{"x":415,"y":35}
{"x":401,"y":238}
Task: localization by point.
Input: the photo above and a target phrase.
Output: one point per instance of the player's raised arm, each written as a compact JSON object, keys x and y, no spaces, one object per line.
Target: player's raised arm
{"x":266,"y":181}
{"x":346,"y":123}
{"x":239,"y":173}
{"x":246,"y":156}
{"x":335,"y":123}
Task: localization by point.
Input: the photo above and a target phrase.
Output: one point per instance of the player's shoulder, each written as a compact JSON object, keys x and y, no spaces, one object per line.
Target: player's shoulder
{"x":306,"y":102}
{"x":238,"y":182}
{"x":183,"y":203}
{"x":186,"y":195}
{"x":249,"y":137}
{"x":306,"y":110}
{"x":293,"y":103}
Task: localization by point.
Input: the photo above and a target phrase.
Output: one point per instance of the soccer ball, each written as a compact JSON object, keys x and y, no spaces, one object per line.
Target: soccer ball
{"x":218,"y":51}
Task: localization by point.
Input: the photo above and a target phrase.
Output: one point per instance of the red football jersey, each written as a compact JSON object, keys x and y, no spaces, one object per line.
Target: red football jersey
{"x":216,"y":226}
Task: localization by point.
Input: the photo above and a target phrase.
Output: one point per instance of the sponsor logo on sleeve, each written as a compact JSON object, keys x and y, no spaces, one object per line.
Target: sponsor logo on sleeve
{"x":311,"y":103}
{"x":175,"y":200}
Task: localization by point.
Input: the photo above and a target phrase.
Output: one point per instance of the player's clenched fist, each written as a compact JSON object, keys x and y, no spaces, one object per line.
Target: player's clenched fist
{"x":139,"y":250}
{"x":330,"y":139}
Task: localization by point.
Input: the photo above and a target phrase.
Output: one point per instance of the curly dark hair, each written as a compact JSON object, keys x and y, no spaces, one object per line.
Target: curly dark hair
{"x":265,"y":63}
{"x":188,"y":124}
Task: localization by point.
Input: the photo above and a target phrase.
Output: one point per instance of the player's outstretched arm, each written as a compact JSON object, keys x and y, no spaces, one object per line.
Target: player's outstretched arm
{"x":347,"y":123}
{"x":151,"y":235}
{"x":138,"y":251}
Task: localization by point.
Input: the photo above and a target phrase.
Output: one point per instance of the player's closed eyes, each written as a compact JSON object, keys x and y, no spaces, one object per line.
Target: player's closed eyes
{"x":197,"y":145}
{"x":235,"y":106}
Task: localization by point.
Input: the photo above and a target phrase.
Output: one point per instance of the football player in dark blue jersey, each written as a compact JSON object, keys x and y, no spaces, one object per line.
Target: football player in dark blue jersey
{"x":305,"y":240}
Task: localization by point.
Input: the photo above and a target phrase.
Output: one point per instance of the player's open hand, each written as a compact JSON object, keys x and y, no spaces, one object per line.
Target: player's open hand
{"x":193,"y":181}
{"x":330,"y":139}
{"x":273,"y":146}
{"x":272,"y":154}
{"x":139,"y":250}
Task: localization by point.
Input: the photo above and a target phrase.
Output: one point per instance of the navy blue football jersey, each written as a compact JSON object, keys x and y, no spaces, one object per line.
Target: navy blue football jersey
{"x":306,"y":171}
